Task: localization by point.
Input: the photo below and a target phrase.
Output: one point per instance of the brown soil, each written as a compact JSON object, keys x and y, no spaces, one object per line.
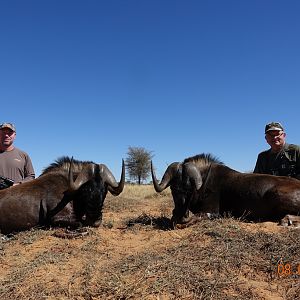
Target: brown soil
{"x":135,"y":255}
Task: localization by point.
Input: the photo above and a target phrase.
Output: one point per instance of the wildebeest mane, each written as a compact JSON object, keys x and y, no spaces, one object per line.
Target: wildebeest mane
{"x":203,"y":159}
{"x":64,"y":163}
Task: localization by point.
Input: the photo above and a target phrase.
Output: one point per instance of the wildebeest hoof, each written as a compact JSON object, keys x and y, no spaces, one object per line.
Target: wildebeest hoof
{"x":290,"y":220}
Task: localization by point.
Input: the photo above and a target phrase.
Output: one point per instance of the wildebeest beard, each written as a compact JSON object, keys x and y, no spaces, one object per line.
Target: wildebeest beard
{"x":89,"y":200}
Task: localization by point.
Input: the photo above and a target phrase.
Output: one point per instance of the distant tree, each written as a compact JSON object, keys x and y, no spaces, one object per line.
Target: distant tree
{"x":138,"y":163}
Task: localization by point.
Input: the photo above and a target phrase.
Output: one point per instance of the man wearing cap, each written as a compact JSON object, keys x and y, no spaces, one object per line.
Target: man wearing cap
{"x":15,"y":164}
{"x":282,"y":159}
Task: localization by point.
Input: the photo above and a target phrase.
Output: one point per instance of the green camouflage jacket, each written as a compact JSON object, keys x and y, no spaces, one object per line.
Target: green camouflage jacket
{"x":284,"y":163}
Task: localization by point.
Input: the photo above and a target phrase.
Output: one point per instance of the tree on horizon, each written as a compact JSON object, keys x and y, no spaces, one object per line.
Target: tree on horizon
{"x":138,"y":163}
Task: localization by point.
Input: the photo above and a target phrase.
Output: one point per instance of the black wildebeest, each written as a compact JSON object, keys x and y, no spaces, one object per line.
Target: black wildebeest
{"x":203,"y":185}
{"x":88,"y":200}
{"x":62,"y":195}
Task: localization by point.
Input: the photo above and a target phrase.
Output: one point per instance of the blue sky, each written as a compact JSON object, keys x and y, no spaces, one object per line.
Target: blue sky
{"x":91,"y":78}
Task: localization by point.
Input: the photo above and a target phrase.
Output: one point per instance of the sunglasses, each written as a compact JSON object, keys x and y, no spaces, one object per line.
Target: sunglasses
{"x":275,"y":135}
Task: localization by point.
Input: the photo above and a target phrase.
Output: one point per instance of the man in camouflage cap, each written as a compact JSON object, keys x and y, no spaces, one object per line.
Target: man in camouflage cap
{"x":282,"y":159}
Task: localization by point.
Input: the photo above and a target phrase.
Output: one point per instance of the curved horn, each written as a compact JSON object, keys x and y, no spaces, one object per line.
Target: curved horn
{"x":169,"y":174}
{"x":113,"y":187}
{"x":190,"y":170}
{"x":85,"y":175}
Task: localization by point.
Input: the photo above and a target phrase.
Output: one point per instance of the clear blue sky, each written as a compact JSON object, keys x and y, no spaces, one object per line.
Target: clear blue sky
{"x":90,"y":78}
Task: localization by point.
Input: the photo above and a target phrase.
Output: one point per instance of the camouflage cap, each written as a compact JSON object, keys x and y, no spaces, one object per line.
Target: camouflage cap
{"x":8,"y":125}
{"x":273,"y":126}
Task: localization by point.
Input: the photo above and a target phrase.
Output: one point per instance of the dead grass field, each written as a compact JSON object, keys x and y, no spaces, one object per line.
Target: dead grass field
{"x":134,"y":255}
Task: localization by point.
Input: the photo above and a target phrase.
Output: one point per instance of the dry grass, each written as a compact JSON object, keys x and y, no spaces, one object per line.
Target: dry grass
{"x":135,"y":191}
{"x":138,"y":257}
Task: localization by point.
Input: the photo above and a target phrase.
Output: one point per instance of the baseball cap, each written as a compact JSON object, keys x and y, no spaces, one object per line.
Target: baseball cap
{"x":8,"y":125}
{"x":273,"y":126}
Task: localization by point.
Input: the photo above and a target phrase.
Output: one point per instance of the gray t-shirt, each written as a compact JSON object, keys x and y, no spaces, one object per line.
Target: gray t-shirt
{"x":16,"y":165}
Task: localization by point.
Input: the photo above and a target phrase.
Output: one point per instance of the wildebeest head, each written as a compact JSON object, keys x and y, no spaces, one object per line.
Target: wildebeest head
{"x":192,"y":177}
{"x":84,"y":169}
{"x":89,"y":198}
{"x":184,"y":178}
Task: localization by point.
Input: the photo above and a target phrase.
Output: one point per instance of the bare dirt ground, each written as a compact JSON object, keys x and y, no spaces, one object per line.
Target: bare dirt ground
{"x":135,"y":255}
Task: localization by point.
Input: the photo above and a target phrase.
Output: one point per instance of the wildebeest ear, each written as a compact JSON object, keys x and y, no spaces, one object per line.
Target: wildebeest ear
{"x":192,"y":173}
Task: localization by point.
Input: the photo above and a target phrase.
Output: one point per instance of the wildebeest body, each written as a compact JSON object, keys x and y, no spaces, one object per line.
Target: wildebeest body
{"x":26,"y":205}
{"x":203,"y":185}
{"x":59,"y":197}
{"x":254,"y":196}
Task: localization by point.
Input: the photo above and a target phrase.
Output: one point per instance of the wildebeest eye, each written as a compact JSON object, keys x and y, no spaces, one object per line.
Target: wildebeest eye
{"x":187,"y":186}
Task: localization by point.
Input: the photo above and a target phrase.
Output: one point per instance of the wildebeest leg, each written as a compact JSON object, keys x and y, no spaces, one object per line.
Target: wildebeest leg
{"x":66,"y":218}
{"x":290,"y":220}
{"x":60,"y":206}
{"x":63,"y":215}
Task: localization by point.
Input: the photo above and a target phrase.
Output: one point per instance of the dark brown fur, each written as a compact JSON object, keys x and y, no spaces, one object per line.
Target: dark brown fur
{"x":206,"y":186}
{"x":26,"y":205}
{"x":49,"y":199}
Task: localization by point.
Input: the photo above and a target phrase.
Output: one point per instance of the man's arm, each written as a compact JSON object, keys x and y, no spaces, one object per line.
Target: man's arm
{"x":29,"y":173}
{"x":260,"y":165}
{"x":297,"y":171}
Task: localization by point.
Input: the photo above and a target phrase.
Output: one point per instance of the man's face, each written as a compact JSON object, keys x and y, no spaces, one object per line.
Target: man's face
{"x":7,"y":137}
{"x":276,"y":139}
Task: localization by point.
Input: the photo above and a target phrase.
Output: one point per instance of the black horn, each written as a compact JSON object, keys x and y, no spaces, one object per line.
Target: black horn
{"x":114,"y":187}
{"x":85,"y":175}
{"x":168,"y":176}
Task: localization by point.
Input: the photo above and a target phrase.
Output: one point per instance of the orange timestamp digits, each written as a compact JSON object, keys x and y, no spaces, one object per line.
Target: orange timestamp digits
{"x":288,"y":269}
